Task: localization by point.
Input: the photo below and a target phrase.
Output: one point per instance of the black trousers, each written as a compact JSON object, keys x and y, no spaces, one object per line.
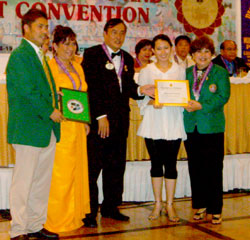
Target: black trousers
{"x":163,"y":153}
{"x":205,"y":161}
{"x":108,"y":155}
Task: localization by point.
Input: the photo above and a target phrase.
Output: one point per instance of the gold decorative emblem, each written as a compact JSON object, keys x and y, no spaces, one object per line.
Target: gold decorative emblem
{"x":109,"y":65}
{"x":200,"y":16}
{"x":125,"y":68}
{"x":212,"y":88}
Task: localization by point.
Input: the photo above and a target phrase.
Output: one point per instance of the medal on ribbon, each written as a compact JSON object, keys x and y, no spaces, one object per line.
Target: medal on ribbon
{"x":198,"y":83}
{"x":109,"y":65}
{"x":68,"y":74}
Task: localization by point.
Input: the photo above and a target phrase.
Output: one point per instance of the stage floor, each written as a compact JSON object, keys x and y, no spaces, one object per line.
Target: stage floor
{"x":235,"y":225}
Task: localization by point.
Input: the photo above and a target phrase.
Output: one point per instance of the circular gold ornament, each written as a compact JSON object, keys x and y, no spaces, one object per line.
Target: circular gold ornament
{"x":200,"y":14}
{"x":109,"y":66}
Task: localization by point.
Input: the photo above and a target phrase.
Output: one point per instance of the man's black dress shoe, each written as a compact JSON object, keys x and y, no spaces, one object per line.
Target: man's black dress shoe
{"x":89,"y":222}
{"x":43,"y":234}
{"x":115,"y":214}
{"x":20,"y":237}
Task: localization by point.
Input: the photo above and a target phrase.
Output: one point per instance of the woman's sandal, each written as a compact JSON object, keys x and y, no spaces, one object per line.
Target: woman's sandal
{"x":216,"y":219}
{"x":156,"y":211}
{"x":200,"y":214}
{"x":172,"y":217}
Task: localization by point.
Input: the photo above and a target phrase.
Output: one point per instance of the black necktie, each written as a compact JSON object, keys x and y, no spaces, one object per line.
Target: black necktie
{"x":115,"y":54}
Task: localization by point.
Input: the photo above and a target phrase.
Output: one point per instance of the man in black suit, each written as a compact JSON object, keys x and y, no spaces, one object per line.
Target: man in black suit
{"x":109,"y":73}
{"x":228,"y":58}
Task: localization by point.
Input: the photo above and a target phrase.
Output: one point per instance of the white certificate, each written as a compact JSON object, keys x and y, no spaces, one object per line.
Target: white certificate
{"x":172,"y":92}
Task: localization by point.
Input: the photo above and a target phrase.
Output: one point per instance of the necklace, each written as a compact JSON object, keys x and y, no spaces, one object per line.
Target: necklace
{"x":199,"y":78}
{"x":229,"y":66}
{"x":65,"y":70}
{"x":105,"y":49}
{"x":138,"y":61}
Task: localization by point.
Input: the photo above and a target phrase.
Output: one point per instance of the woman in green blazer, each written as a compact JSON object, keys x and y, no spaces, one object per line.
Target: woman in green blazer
{"x":205,"y":125}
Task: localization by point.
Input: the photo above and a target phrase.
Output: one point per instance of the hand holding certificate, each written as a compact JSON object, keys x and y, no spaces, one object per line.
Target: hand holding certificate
{"x":75,"y":105}
{"x":172,"y":92}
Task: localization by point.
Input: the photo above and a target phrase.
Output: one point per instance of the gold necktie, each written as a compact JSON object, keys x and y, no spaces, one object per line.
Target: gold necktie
{"x":46,"y":70}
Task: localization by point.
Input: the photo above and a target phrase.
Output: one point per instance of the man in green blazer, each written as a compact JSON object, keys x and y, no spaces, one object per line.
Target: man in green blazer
{"x":33,"y":129}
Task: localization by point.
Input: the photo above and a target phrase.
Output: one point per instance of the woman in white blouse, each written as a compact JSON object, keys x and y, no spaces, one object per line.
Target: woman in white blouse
{"x":162,"y":127}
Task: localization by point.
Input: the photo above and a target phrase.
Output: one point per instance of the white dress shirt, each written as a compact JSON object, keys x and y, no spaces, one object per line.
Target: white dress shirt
{"x":188,"y":62}
{"x":36,"y":48}
{"x":117,"y":63}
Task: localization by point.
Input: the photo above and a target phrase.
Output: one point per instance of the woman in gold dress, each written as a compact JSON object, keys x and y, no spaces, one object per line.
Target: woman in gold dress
{"x":69,"y":194}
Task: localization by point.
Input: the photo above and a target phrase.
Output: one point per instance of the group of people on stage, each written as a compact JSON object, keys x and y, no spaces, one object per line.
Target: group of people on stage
{"x":44,"y":202}
{"x":54,"y":187}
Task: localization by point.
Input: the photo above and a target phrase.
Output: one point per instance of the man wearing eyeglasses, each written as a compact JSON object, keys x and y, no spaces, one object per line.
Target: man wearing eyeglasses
{"x":228,"y":58}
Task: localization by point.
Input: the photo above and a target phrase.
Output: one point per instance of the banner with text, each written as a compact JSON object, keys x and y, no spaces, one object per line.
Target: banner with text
{"x":144,"y":18}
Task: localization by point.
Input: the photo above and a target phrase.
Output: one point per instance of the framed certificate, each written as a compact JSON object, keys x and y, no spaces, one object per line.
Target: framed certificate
{"x":75,"y":105}
{"x":172,"y":92}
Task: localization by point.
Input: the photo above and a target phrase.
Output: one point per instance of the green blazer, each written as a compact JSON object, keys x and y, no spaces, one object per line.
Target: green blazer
{"x":215,"y":93}
{"x":30,"y":99}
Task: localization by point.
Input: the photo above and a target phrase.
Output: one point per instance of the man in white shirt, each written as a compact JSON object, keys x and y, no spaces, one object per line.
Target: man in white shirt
{"x":182,"y":48}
